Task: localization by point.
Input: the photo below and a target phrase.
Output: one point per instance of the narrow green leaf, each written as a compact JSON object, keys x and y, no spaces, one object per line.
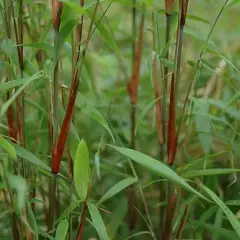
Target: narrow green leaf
{"x":8,"y":148}
{"x":9,"y":47}
{"x":203,"y":126}
{"x":5,"y":214}
{"x":40,"y":45}
{"x":138,"y":234}
{"x":61,"y":37}
{"x":144,"y":113}
{"x":6,"y":105}
{"x":221,"y":232}
{"x":74,"y":6}
{"x":62,"y":230}
{"x":233,"y":3}
{"x":88,"y":108}
{"x":98,"y":221}
{"x":19,"y":184}
{"x":82,"y":170}
{"x":148,"y":3}
{"x":199,"y":37}
{"x":45,"y":235}
{"x":105,"y":31}
{"x":116,"y":219}
{"x":224,"y":58}
{"x":197,"y":18}
{"x":97,"y":164}
{"x":25,"y":222}
{"x":231,"y":217}
{"x":32,"y":221}
{"x":208,"y":172}
{"x":90,"y":4}
{"x":30,"y":157}
{"x":68,"y":210}
{"x":233,"y":202}
{"x":201,"y":161}
{"x":118,"y":187}
{"x":157,"y":167}
{"x":7,"y":86}
{"x":232,"y":100}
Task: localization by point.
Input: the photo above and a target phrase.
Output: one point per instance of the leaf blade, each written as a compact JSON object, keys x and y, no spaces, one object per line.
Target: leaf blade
{"x":62,"y":230}
{"x":231,"y":217}
{"x":8,"y":148}
{"x":98,"y":221}
{"x":157,"y":167}
{"x":118,"y":187}
{"x":82,"y":170}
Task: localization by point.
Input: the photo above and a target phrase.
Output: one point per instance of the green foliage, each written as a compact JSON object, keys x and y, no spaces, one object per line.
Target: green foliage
{"x":157,"y":167}
{"x":231,"y":217}
{"x":203,"y":125}
{"x":62,"y":229}
{"x":10,"y":101}
{"x":81,"y":170}
{"x":118,"y":187}
{"x":20,"y":186}
{"x":118,"y":175}
{"x":97,"y":221}
{"x":8,"y":148}
{"x":88,"y":108}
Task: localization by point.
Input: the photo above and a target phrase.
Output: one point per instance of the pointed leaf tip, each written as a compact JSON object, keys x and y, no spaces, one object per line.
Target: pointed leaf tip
{"x":82,"y":170}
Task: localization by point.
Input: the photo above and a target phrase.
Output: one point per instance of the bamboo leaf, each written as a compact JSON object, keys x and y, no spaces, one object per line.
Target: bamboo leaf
{"x":32,"y":221}
{"x":7,"y":86}
{"x":8,"y":148}
{"x":98,"y":221}
{"x":68,"y":210}
{"x":19,"y":184}
{"x":224,"y":58}
{"x":233,"y":202}
{"x":40,"y":45}
{"x":203,"y":126}
{"x":61,"y":38}
{"x":144,"y":113}
{"x":105,"y":31}
{"x":62,"y":230}
{"x":197,"y":18}
{"x":208,"y":172}
{"x":74,"y":7}
{"x":229,"y":214}
{"x":97,"y":164}
{"x":158,"y":168}
{"x":9,"y":47}
{"x":233,"y":3}
{"x":138,"y":234}
{"x":6,"y":105}
{"x":118,"y":187}
{"x":82,"y":170}
{"x":88,"y":108}
{"x":30,"y":157}
{"x":221,"y":232}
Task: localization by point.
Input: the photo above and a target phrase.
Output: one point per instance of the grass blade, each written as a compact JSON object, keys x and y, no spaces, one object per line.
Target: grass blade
{"x":209,"y":172}
{"x":98,"y":221}
{"x":231,"y":217}
{"x":81,"y":170}
{"x":118,"y":187}
{"x":62,"y":230}
{"x":157,"y":167}
{"x":8,"y":148}
{"x":6,"y":105}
